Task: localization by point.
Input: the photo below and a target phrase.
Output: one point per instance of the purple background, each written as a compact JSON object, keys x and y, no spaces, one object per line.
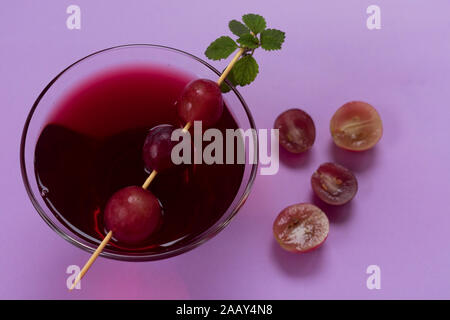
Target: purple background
{"x":399,"y":220}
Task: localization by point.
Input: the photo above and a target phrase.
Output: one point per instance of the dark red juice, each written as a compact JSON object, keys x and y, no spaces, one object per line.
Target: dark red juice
{"x":92,"y":146}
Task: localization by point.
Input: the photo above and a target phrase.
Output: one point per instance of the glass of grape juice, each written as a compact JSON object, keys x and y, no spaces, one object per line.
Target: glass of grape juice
{"x":83,"y":139}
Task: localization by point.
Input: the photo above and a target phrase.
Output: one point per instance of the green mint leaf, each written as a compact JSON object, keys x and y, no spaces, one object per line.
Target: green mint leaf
{"x":221,"y":48}
{"x":238,"y":28}
{"x":245,"y":70}
{"x":272,"y":39}
{"x":225,"y":87}
{"x":255,"y":22}
{"x":248,"y":41}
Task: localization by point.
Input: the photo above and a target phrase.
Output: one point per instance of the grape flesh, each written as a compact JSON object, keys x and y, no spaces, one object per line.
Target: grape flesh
{"x":201,"y":100}
{"x":356,"y":126}
{"x":297,"y":130}
{"x":157,"y":149}
{"x":334,"y":184}
{"x":301,"y":228}
{"x":132,"y":214}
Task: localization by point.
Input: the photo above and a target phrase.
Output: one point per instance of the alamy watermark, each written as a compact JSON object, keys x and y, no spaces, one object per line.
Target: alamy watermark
{"x":374,"y":279}
{"x":236,"y":146}
{"x":73,"y":270}
{"x":73,"y":21}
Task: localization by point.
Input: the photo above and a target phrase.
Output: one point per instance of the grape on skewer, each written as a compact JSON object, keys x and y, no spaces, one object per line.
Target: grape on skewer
{"x":157,"y":149}
{"x":201,"y":100}
{"x":132,"y":214}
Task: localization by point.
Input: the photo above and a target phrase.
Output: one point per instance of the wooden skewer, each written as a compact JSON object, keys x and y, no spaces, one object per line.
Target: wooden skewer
{"x":91,"y":259}
{"x":230,"y":66}
{"x":187,"y":127}
{"x":148,"y":181}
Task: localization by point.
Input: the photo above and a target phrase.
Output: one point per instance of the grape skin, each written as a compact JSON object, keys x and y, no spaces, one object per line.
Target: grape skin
{"x":132,"y":214}
{"x":157,"y":149}
{"x":201,"y":100}
{"x":297,"y":130}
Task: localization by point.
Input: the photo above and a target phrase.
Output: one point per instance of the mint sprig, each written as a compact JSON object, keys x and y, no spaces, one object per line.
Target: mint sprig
{"x":252,"y":34}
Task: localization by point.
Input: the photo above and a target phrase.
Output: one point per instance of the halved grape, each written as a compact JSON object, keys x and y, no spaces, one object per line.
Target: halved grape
{"x":334,"y":184}
{"x":201,"y":100}
{"x":157,"y":149}
{"x":297,"y":130}
{"x":301,"y":227}
{"x":356,"y":126}
{"x":132,"y":214}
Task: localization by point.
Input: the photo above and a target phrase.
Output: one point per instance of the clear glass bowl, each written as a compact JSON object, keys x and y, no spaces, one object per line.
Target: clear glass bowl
{"x":105,"y":60}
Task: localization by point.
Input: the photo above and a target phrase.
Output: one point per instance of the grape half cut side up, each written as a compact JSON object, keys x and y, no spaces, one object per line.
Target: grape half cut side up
{"x":356,"y":126}
{"x":297,"y":130}
{"x":301,"y":228}
{"x":334,"y":184}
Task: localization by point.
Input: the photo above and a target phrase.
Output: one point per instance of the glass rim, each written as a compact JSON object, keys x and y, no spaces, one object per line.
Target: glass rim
{"x":199,"y":239}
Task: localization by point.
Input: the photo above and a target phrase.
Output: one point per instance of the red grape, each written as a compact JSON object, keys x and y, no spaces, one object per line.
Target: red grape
{"x":356,"y":126}
{"x":297,"y":130}
{"x":201,"y":100}
{"x":132,"y":214}
{"x":334,"y":184}
{"x":157,"y":149}
{"x":301,"y":227}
